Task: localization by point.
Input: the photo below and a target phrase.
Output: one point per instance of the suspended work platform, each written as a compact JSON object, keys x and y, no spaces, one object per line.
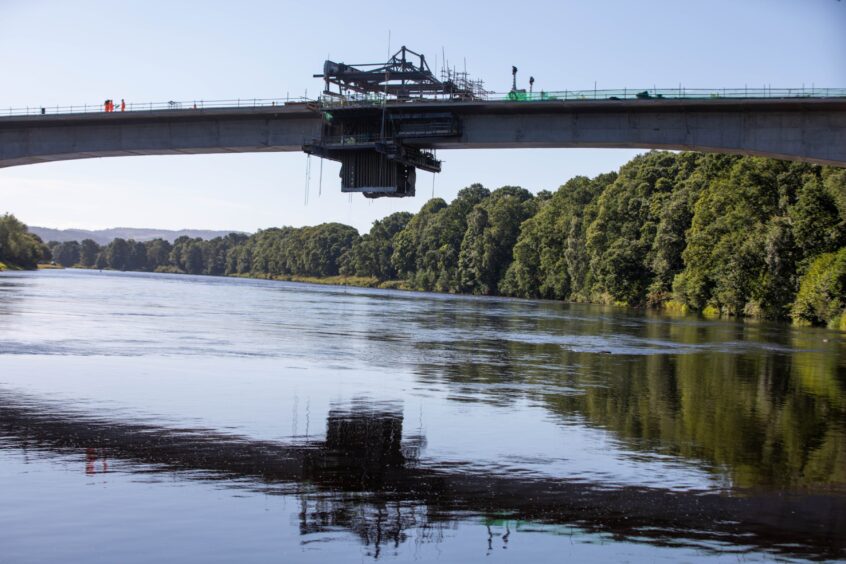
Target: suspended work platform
{"x":372,"y":143}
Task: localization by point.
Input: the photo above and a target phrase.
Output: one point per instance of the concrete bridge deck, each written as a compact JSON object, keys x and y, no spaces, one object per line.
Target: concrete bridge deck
{"x":803,"y":129}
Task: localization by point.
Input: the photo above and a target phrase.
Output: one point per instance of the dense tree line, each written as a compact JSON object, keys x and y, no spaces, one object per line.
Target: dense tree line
{"x":725,"y":234}
{"x":18,"y":247}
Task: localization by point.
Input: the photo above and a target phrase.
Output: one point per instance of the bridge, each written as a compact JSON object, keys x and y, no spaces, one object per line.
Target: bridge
{"x":384,"y":121}
{"x":381,"y":143}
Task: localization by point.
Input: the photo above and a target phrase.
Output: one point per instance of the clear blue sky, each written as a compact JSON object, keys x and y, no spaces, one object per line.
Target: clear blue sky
{"x":60,"y":52}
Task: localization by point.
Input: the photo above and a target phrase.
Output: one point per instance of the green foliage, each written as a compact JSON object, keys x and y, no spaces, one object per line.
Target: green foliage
{"x":487,"y":247}
{"x":158,"y":254}
{"x":116,"y":254}
{"x":621,"y":240}
{"x":407,"y":258}
{"x":137,"y":256}
{"x":751,"y":229}
{"x":67,"y":253}
{"x":822,"y":293}
{"x":550,"y":256}
{"x":710,"y":233}
{"x":88,"y":251}
{"x":818,"y":226}
{"x":439,"y":242}
{"x":306,"y":251}
{"x":19,"y":247}
{"x":371,"y":254}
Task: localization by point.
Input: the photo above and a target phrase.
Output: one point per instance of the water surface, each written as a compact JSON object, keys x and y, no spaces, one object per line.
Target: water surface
{"x":147,"y":417}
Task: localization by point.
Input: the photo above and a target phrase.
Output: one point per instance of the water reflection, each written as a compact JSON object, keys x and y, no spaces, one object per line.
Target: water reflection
{"x":367,"y":478}
{"x":761,"y":407}
{"x":540,"y":416}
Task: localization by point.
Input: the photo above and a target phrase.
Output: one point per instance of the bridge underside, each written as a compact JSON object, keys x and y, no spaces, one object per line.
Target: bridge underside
{"x":795,"y":133}
{"x":810,"y":130}
{"x":39,"y":139}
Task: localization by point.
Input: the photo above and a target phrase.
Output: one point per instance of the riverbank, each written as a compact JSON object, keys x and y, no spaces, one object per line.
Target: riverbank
{"x":668,"y":307}
{"x":9,"y":266}
{"x":357,"y":281}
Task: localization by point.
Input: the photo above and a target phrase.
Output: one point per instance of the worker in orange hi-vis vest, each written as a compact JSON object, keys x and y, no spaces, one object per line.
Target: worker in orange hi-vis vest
{"x":106,"y":106}
{"x":122,"y":105}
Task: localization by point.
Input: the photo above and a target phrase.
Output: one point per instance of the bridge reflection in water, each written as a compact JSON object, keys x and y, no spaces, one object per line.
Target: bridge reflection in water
{"x":366,"y":477}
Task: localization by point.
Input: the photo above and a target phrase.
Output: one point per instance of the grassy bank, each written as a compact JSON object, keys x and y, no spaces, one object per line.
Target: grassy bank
{"x":9,"y":266}
{"x":358,"y":281}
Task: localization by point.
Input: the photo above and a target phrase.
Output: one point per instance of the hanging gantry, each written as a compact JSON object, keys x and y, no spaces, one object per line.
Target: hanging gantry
{"x":373,"y":128}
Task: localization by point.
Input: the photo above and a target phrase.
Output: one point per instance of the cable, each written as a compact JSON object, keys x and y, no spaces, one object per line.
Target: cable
{"x":320,"y":182}
{"x":307,"y":177}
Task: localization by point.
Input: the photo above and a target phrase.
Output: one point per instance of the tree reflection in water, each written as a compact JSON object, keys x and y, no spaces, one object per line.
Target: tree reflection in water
{"x":367,"y":478}
{"x":761,"y":405}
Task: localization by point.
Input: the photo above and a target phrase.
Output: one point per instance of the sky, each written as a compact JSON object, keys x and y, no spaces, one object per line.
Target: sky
{"x":63,"y":53}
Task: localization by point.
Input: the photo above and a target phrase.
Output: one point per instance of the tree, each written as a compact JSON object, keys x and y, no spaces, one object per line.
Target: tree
{"x":158,"y":254}
{"x":408,"y":241}
{"x":620,"y":240}
{"x":67,"y":253}
{"x":816,"y":220}
{"x":370,"y":255}
{"x":822,"y":294}
{"x":18,"y":246}
{"x":487,"y":246}
{"x":550,"y":254}
{"x":117,"y":254}
{"x":426,"y":251}
{"x":740,"y":250}
{"x":137,"y":255}
{"x":88,"y":251}
{"x":192,"y":257}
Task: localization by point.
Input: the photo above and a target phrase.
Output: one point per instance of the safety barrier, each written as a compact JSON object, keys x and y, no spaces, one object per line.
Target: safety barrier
{"x":680,"y":93}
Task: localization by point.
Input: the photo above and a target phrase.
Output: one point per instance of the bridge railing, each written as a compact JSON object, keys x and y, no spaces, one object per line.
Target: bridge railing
{"x":680,"y":93}
{"x":155,"y":106}
{"x":670,"y":93}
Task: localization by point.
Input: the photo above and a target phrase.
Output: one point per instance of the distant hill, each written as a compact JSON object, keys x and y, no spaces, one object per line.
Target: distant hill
{"x":105,"y":236}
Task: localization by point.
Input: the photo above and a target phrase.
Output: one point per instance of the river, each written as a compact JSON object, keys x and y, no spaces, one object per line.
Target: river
{"x":153,"y":417}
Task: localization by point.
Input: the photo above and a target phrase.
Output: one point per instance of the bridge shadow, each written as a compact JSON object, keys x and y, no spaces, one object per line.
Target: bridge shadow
{"x":366,"y":477}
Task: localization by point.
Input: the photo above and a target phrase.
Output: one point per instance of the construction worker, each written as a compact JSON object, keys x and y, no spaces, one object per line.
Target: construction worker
{"x":106,"y":106}
{"x":122,"y":105}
